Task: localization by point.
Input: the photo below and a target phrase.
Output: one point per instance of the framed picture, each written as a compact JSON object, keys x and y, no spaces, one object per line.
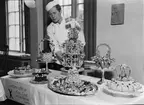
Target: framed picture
{"x":117,"y":14}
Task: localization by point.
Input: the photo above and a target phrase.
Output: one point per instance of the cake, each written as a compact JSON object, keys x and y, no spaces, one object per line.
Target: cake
{"x":73,"y":55}
{"x":73,"y":50}
{"x":123,"y":84}
{"x":40,"y":75}
{"x":23,"y":70}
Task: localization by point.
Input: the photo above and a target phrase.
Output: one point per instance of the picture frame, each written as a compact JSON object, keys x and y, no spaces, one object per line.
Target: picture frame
{"x":117,"y":14}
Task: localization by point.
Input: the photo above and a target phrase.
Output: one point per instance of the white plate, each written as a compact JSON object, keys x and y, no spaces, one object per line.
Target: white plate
{"x":11,"y":73}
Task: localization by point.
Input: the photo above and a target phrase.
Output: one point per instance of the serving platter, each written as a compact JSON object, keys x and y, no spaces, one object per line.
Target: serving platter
{"x":11,"y":73}
{"x":85,"y":88}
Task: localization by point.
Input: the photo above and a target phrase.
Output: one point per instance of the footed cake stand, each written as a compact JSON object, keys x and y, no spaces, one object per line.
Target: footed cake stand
{"x":103,"y":61}
{"x":101,"y":81}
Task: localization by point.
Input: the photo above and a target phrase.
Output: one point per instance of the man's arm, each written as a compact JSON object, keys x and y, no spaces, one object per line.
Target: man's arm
{"x":50,"y":34}
{"x":81,"y":37}
{"x":57,"y":50}
{"x":81,"y":34}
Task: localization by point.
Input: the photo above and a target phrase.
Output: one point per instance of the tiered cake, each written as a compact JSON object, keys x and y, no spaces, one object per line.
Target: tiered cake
{"x":122,"y":84}
{"x":73,"y":54}
{"x":73,"y":50}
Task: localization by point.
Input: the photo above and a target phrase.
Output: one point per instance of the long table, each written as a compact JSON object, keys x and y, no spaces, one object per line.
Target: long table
{"x":22,"y":91}
{"x":2,"y":92}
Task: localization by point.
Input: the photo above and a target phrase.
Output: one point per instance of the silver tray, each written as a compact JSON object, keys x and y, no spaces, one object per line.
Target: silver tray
{"x":58,"y":89}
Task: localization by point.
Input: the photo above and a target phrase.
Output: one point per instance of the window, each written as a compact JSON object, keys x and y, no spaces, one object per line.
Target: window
{"x":73,"y":8}
{"x":15,"y":25}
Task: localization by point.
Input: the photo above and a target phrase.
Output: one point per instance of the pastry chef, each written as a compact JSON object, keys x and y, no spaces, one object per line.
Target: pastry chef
{"x":57,"y":31}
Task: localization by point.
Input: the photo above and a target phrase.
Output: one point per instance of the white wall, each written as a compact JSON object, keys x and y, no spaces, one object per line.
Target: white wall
{"x":127,"y":40}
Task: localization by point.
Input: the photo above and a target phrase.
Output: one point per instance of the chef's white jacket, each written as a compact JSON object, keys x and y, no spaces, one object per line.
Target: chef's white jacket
{"x":58,"y":33}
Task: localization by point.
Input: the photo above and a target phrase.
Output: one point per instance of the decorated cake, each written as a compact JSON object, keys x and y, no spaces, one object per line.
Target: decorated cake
{"x":23,"y":70}
{"x":72,"y":85}
{"x":40,"y":75}
{"x":123,"y":84}
{"x":73,"y":49}
{"x":72,"y":54}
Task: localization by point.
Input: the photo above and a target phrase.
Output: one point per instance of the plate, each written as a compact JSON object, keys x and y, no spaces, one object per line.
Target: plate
{"x":11,"y":73}
{"x":36,"y":82}
{"x":85,"y":88}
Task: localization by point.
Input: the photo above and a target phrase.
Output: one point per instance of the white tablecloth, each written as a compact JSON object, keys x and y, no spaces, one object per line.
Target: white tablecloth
{"x":2,"y":92}
{"x":21,"y":90}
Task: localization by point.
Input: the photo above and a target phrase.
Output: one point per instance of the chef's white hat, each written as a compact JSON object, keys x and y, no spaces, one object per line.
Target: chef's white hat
{"x":50,"y":5}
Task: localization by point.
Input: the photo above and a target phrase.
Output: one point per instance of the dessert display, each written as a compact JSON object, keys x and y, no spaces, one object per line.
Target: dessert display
{"x":40,"y":76}
{"x":73,"y":54}
{"x":23,"y":70}
{"x":103,"y":62}
{"x":73,"y":50}
{"x":123,"y":84}
{"x":72,"y":85}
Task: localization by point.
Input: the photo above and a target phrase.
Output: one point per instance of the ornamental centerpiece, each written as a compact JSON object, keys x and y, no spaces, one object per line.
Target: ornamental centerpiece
{"x":72,"y":60}
{"x":73,"y":54}
{"x":103,"y":62}
{"x":73,"y":49}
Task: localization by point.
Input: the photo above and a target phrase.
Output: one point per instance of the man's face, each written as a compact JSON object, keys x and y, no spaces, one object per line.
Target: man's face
{"x":54,"y":14}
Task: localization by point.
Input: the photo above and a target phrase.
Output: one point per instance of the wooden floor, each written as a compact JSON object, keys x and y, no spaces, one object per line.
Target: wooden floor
{"x":9,"y":102}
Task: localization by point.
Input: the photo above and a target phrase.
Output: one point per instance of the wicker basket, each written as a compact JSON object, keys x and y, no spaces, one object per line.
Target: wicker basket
{"x":103,"y":61}
{"x":45,"y":56}
{"x":108,"y":50}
